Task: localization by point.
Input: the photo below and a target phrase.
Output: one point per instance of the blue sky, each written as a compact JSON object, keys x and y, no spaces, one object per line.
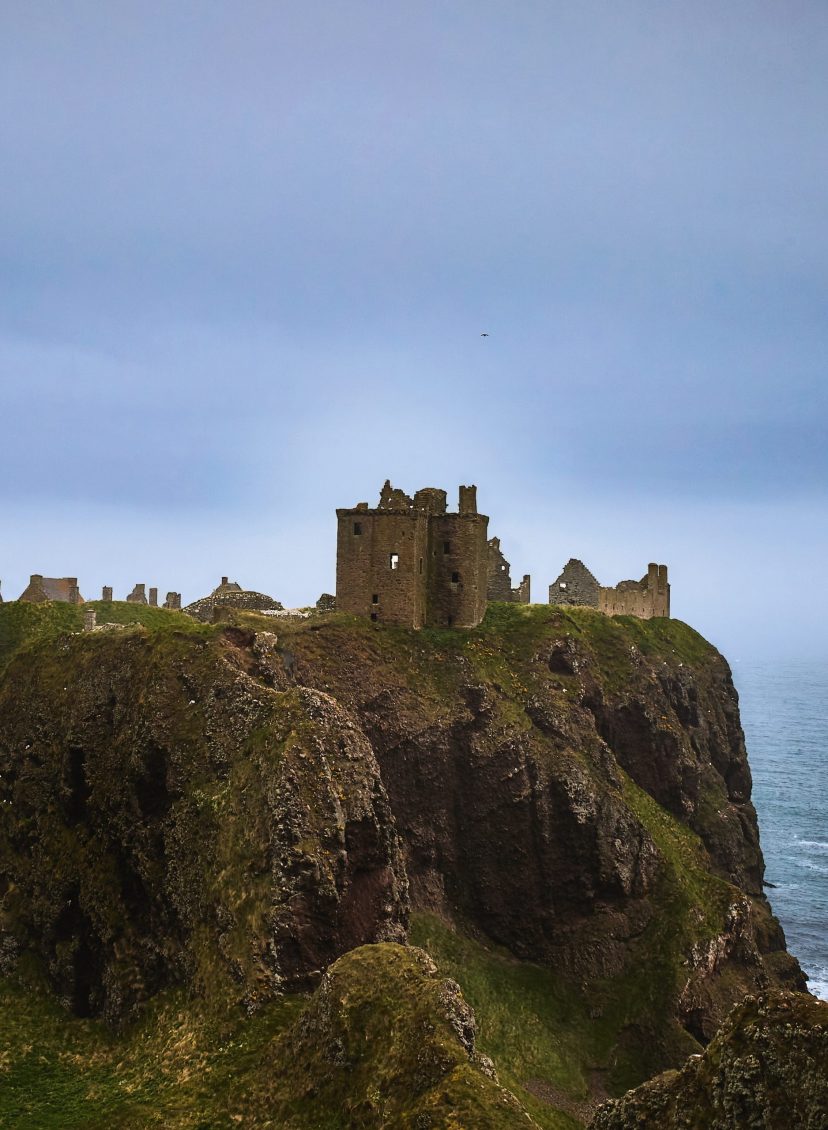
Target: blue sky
{"x":248,"y":251}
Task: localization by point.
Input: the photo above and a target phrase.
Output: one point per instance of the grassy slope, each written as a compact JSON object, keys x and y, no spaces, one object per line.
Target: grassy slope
{"x":180,"y":1067}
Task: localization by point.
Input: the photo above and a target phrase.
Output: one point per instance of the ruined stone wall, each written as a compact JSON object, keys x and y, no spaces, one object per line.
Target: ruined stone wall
{"x":575,"y":585}
{"x":521,"y":594}
{"x":459,"y":570}
{"x":500,"y":581}
{"x":645,"y":598}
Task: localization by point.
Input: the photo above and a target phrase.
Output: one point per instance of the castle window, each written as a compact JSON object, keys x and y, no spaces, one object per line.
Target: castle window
{"x":421,"y":564}
{"x":394,"y":561}
{"x":455,"y":578}
{"x":503,"y":568}
{"x":357,"y":527}
{"x":375,"y":598}
{"x":562,"y":585}
{"x":373,"y":615}
{"x":446,"y":547}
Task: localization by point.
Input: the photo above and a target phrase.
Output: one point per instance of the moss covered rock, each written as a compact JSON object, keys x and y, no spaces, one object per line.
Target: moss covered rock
{"x":767,"y":1068}
{"x":385,"y":1042}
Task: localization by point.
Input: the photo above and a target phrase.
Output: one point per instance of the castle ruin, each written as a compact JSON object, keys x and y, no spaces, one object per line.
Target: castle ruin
{"x":499,"y":586}
{"x":646,"y":598}
{"x":63,"y":589}
{"x":407,"y":562}
{"x":412,"y":563}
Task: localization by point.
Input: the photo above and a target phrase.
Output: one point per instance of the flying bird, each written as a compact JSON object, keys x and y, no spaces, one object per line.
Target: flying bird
{"x":484,"y":335}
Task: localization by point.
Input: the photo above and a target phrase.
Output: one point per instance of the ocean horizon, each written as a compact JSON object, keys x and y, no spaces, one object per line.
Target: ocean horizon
{"x":784,"y":707}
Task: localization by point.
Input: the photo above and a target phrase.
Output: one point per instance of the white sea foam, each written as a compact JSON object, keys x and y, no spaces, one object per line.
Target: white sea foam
{"x":818,"y":984}
{"x":814,"y":845}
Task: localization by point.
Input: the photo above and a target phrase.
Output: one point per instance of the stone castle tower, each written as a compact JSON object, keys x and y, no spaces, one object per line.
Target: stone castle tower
{"x":409,"y":562}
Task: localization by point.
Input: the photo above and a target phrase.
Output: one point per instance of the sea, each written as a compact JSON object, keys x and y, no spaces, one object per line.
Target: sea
{"x":784,"y":707}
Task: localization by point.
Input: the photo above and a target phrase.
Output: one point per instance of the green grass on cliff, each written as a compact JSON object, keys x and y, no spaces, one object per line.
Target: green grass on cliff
{"x":534,"y":1024}
{"x":22,"y":624}
{"x":179,"y":1067}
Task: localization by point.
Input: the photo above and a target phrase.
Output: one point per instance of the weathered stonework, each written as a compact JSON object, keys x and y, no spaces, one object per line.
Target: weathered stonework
{"x":90,"y":619}
{"x":499,"y":585}
{"x":326,"y":603}
{"x":173,"y":601}
{"x":229,"y":594}
{"x":138,"y":595}
{"x":153,"y":598}
{"x":645,"y":598}
{"x":106,"y":593}
{"x":42,"y":588}
{"x":409,"y":562}
{"x":575,"y":585}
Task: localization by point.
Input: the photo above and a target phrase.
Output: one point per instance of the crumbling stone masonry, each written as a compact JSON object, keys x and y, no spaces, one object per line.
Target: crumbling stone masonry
{"x":645,"y":598}
{"x":326,"y":603}
{"x":42,"y":588}
{"x":499,"y":585}
{"x":106,"y":593}
{"x":138,"y":595}
{"x":153,"y":598}
{"x":173,"y":601}
{"x":230,"y":594}
{"x":90,"y":619}
{"x":410,"y":562}
{"x":575,"y":585}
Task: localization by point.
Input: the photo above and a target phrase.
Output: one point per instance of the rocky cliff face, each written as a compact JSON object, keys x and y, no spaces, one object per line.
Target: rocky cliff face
{"x":168,"y":817}
{"x":522,"y":763}
{"x":213,"y":806}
